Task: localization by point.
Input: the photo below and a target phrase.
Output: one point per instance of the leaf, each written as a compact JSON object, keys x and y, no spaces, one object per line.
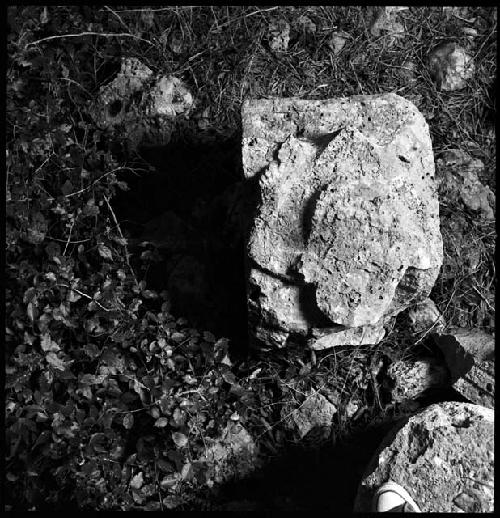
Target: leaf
{"x":104,"y":251}
{"x":67,"y":188}
{"x":48,"y":344}
{"x":179,"y":439}
{"x":55,"y":361}
{"x":128,"y":421}
{"x":161,"y":422}
{"x":31,"y":311}
{"x":137,"y":481}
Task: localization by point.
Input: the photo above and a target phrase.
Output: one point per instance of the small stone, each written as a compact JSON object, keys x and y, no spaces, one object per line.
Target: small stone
{"x":407,"y":71}
{"x":233,"y":454}
{"x":279,"y":36}
{"x":337,"y":41}
{"x":425,"y":316}
{"x":141,"y":106}
{"x":137,"y":481}
{"x":458,"y":175}
{"x":306,"y":24}
{"x":450,"y":66}
{"x":364,"y":335}
{"x":351,"y":408}
{"x":176,"y":43}
{"x":385,"y":22}
{"x":462,"y":13}
{"x":410,"y":379}
{"x":470,"y":32}
{"x":315,"y":412}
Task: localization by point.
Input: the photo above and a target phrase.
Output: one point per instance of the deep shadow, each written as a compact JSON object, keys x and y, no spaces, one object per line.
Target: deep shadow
{"x":325,"y":478}
{"x":310,"y":479}
{"x":190,"y":205}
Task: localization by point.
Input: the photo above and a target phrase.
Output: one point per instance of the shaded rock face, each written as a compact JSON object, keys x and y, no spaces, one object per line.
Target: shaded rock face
{"x":425,"y":317}
{"x":443,"y":456}
{"x":469,"y":355}
{"x":346,"y":233}
{"x":233,"y":455}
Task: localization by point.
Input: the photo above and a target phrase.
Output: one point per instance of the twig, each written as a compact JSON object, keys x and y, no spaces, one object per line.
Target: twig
{"x":98,"y":180}
{"x":64,"y":241}
{"x":118,"y":16}
{"x":88,"y":33}
{"x":69,"y":237}
{"x":127,"y":254}
{"x":157,"y":10}
{"x":242,"y":17}
{"x":84,"y":295}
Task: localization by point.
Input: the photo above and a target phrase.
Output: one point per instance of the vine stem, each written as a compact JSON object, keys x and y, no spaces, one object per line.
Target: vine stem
{"x":88,"y":33}
{"x":127,"y":253}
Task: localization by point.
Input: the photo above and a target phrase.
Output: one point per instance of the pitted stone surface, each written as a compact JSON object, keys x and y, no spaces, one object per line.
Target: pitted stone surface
{"x":140,"y":106}
{"x":443,"y":456}
{"x":347,"y":229}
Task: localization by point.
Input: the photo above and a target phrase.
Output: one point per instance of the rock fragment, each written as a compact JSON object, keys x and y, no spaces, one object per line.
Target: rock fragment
{"x":457,"y":173}
{"x":469,"y":355}
{"x":450,"y":66}
{"x":233,"y":455}
{"x":443,"y":456}
{"x":364,"y":335}
{"x":411,"y":379}
{"x":139,"y":106}
{"x":279,"y":36}
{"x":346,"y":233}
{"x":425,"y":316}
{"x":385,"y":21}
{"x":407,"y":71}
{"x":337,"y":41}
{"x":316,"y":412}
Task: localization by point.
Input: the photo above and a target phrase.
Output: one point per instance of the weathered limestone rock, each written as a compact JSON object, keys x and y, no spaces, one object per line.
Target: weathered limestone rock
{"x":412,"y":378}
{"x":425,"y":317}
{"x":470,"y":355}
{"x":450,"y":66}
{"x":386,"y":21}
{"x":443,"y":456}
{"x":346,"y":232}
{"x":140,"y":106}
{"x":457,"y":174}
{"x":316,"y":412}
{"x":233,"y":455}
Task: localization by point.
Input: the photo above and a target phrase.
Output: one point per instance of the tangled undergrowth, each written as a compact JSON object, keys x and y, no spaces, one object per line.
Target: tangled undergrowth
{"x":111,"y":399}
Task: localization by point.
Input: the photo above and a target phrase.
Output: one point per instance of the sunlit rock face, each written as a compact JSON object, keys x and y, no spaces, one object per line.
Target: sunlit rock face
{"x":346,"y":231}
